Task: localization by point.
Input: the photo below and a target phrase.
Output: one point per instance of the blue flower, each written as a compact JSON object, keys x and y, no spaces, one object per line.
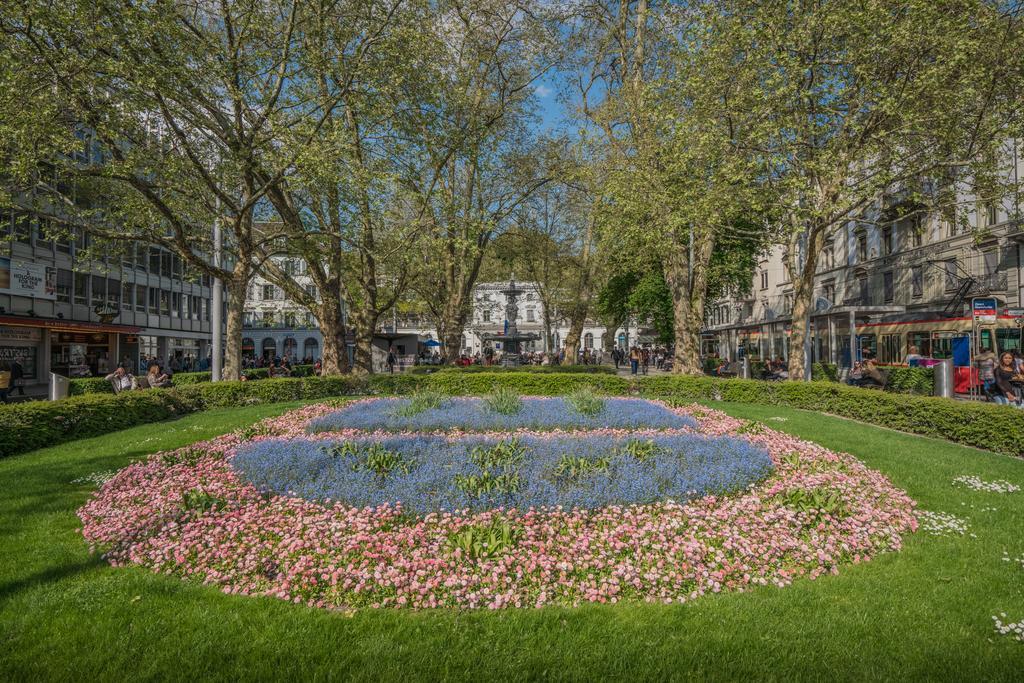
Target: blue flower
{"x":471,"y":414}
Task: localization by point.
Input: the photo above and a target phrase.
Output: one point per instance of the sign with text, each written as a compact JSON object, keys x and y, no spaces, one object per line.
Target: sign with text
{"x":984,"y":310}
{"x":27,"y":279}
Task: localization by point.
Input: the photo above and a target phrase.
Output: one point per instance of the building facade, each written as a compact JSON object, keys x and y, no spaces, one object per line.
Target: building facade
{"x":63,"y":313}
{"x":890,"y":284}
{"x":276,"y":327}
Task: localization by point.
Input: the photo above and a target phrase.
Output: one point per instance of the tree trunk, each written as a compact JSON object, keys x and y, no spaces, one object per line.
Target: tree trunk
{"x":450,"y":327}
{"x":334,"y":356}
{"x":364,"y":350}
{"x":572,"y":339}
{"x":803,"y":294}
{"x":233,"y":329}
{"x":687,"y":280}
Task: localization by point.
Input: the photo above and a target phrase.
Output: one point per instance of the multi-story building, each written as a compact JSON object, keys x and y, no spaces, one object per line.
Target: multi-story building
{"x":278,"y":327}
{"x":61,"y":312}
{"x":890,"y":283}
{"x":275,"y":326}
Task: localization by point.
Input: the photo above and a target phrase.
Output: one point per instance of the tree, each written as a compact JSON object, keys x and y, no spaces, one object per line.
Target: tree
{"x":175,"y":103}
{"x":472,"y":158}
{"x":664,"y":97}
{"x":866,"y":107}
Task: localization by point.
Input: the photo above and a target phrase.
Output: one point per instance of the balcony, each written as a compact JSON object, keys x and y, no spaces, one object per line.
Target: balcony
{"x":986,"y":284}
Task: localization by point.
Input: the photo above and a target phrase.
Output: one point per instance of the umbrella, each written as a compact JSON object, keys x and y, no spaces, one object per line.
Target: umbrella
{"x":431,"y":342}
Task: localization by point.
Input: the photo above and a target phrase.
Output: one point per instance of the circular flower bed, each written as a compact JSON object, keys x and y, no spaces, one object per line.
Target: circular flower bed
{"x":203,"y":512}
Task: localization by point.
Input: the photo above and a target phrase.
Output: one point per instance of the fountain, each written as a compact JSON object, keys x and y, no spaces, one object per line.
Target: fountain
{"x":512,"y":337}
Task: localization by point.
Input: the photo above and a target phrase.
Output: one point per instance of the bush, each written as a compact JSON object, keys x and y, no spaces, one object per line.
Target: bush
{"x":38,"y":424}
{"x":480,"y":383}
{"x":982,"y":425}
{"x":98,"y":385}
{"x":542,"y":369}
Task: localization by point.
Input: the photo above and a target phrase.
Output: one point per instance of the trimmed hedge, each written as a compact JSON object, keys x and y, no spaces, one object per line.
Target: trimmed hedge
{"x":528,"y":383}
{"x":542,"y":369}
{"x":98,"y":385}
{"x":39,"y":424}
{"x":982,"y":425}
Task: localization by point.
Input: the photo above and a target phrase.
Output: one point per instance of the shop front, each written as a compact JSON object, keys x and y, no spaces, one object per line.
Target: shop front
{"x":72,"y":349}
{"x":24,"y":346}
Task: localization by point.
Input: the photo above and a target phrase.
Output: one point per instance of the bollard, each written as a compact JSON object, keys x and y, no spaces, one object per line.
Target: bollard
{"x":59,"y":386}
{"x":943,"y":378}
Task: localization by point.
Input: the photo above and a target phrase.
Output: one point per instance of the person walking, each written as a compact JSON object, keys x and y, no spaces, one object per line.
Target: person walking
{"x":5,"y":381}
{"x":634,"y":360}
{"x":391,"y":360}
{"x":17,"y":375}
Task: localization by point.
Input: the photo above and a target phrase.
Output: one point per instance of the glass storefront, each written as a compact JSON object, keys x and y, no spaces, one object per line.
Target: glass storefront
{"x":80,"y":354}
{"x":24,"y":346}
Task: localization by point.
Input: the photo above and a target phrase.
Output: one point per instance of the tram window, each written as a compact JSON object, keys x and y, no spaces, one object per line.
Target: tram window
{"x":1009,"y":339}
{"x":868,"y":345}
{"x":923,"y":342}
{"x":942,"y":347}
{"x":986,"y":340}
{"x":891,"y":349}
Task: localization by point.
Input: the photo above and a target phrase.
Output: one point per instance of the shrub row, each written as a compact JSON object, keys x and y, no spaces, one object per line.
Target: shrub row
{"x":38,"y":424}
{"x":982,"y":425}
{"x":27,"y":426}
{"x":541,"y":369}
{"x":528,"y":383}
{"x":98,"y":385}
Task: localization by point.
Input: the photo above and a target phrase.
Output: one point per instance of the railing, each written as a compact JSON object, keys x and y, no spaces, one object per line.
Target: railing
{"x":993,"y":282}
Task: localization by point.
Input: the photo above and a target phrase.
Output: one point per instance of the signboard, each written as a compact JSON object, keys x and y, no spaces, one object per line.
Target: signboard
{"x":1014,"y":312}
{"x":984,"y":310}
{"x":27,"y":279}
{"x":20,"y":334}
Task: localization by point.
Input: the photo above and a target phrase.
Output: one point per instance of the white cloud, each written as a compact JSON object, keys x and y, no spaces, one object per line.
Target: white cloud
{"x":542,"y":90}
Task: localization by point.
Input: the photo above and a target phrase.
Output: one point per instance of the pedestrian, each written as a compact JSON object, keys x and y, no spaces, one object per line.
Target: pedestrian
{"x":985,"y":362}
{"x":391,"y":360}
{"x":634,"y":360}
{"x":5,"y":381}
{"x":17,"y":377}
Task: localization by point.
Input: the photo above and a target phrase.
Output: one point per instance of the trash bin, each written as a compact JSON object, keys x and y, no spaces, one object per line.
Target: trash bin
{"x":943,"y":378}
{"x":59,"y":386}
{"x":745,"y":368}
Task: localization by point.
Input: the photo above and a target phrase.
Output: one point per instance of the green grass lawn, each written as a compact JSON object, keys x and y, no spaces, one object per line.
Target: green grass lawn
{"x":925,"y":612}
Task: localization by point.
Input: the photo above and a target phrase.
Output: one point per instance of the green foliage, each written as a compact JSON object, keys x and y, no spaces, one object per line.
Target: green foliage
{"x":641,"y":449}
{"x":817,"y":501}
{"x":570,"y":467}
{"x":538,"y":369}
{"x":200,"y":501}
{"x":585,"y":401}
{"x":982,"y":425}
{"x":479,"y":383}
{"x":499,"y":469}
{"x":422,"y":398}
{"x":504,"y":400}
{"x":483,"y":541}
{"x":98,"y":385}
{"x":372,"y":457}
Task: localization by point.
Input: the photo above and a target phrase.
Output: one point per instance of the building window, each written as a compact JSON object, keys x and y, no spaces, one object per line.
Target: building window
{"x":165,"y":302}
{"x":887,"y":287}
{"x":917,"y":281}
{"x":828,"y":255}
{"x":952,"y":277}
{"x":588,"y":341}
{"x":888,"y":240}
{"x":862,"y":246}
{"x":268,"y":318}
{"x":487,"y":316}
{"x":82,"y":289}
{"x":127,"y":289}
{"x":829,"y":292}
{"x":764,"y":279}
{"x":140,"y":298}
{"x":268,"y":292}
{"x":991,"y":214}
{"x":530,"y":316}
{"x":864,"y":290}
{"x":99,"y":286}
{"x":65,"y":283}
{"x":917,"y":230}
{"x":311,"y":291}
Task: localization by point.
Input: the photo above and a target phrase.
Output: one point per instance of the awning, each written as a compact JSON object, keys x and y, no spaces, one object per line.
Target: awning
{"x":67,"y":325}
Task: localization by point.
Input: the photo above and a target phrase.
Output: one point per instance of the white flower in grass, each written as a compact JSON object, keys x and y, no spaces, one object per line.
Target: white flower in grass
{"x":96,"y":478}
{"x":1013,"y":629}
{"x":978,"y":484}
{"x":941,"y":523}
